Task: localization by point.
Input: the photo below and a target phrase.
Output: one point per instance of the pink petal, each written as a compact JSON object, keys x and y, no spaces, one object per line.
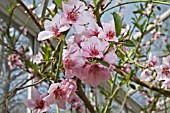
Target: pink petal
{"x":110,"y":57}
{"x":64,"y":28}
{"x":49,"y":99}
{"x":44,"y":35}
{"x":61,"y":103}
{"x":35,"y":94}
{"x":47,"y":25}
{"x":84,"y":18}
{"x":56,"y":20}
{"x":52,"y":88}
{"x":30,"y":104}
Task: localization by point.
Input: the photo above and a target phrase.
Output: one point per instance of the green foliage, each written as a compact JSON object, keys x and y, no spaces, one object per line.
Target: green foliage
{"x":46,"y":51}
{"x":121,"y":54}
{"x":59,"y":3}
{"x":118,"y":23}
{"x":128,"y":43}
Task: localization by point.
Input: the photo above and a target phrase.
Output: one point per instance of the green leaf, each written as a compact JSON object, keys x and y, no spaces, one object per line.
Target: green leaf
{"x":118,"y":23}
{"x":129,"y":76}
{"x":129,"y":43}
{"x":59,"y":3}
{"x":110,"y":46}
{"x":120,"y":54}
{"x":103,"y":63}
{"x":131,"y":52}
{"x":133,"y":86}
{"x":50,"y":12}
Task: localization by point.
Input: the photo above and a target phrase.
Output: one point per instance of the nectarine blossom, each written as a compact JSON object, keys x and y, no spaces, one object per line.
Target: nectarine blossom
{"x":108,"y":33}
{"x":36,"y":103}
{"x":53,"y":28}
{"x":93,"y":47}
{"x":61,"y":93}
{"x":13,"y":60}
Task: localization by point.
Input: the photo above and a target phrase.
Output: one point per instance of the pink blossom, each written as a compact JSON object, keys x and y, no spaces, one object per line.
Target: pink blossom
{"x":52,"y":28}
{"x":92,"y":30}
{"x":95,"y":74}
{"x":108,"y":33}
{"x":156,"y":34}
{"x":152,"y":60}
{"x":75,"y":99}
{"x":145,"y":73}
{"x":14,"y":59}
{"x":37,"y":104}
{"x":80,"y":107}
{"x":61,"y":93}
{"x":72,"y":64}
{"x":163,"y":70}
{"x":52,"y":7}
{"x":74,"y":12}
{"x":93,"y":47}
{"x":110,"y":57}
{"x":158,"y":106}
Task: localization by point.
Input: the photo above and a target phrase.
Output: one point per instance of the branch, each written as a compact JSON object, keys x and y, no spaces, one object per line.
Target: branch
{"x":96,"y":11}
{"x":36,"y":83}
{"x":136,"y":1}
{"x":31,"y":14}
{"x":81,"y":94}
{"x":44,"y":9}
{"x":143,"y":83}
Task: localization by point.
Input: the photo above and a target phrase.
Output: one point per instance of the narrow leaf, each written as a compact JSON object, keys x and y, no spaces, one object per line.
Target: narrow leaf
{"x":128,"y":43}
{"x":118,"y":23}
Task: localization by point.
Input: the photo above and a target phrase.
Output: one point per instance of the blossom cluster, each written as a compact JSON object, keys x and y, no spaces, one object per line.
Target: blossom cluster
{"x":84,"y":55}
{"x":13,"y":60}
{"x":162,"y":71}
{"x":59,"y":94}
{"x":89,"y":44}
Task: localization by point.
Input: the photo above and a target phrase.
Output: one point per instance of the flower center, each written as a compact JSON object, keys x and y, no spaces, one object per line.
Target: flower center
{"x":55,"y":30}
{"x":40,"y":104}
{"x":72,"y":16}
{"x":110,"y":34}
{"x":57,"y":92}
{"x":94,"y":52}
{"x":95,"y":33}
{"x":165,"y":70}
{"x":69,"y":64}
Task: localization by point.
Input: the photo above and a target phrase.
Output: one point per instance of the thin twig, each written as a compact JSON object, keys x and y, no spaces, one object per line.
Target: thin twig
{"x":137,"y":1}
{"x":81,"y":94}
{"x":143,"y":83}
{"x":31,"y":14}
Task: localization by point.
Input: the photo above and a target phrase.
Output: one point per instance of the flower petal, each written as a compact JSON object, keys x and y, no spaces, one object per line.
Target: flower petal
{"x":44,"y":35}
